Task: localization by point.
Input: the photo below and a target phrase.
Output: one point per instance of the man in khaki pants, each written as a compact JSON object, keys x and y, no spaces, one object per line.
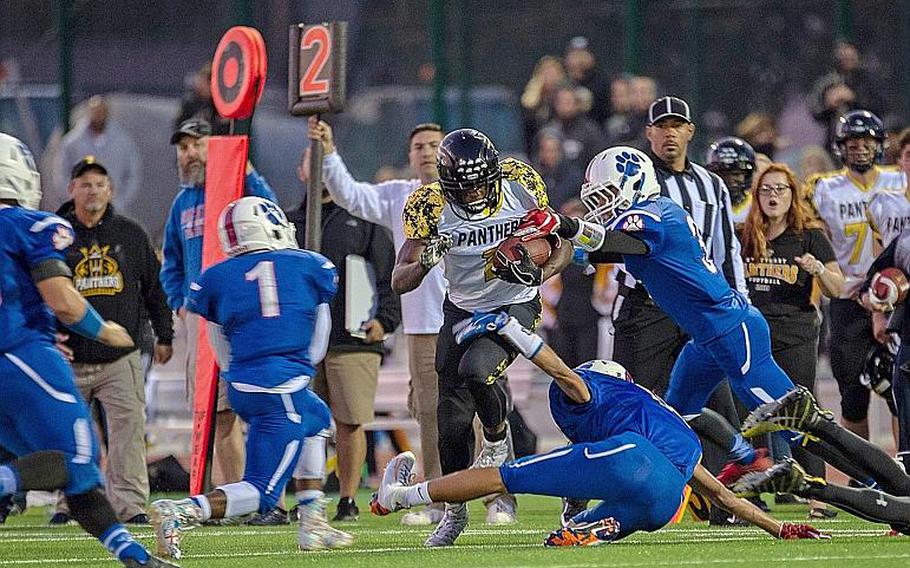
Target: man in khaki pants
{"x":115,"y":268}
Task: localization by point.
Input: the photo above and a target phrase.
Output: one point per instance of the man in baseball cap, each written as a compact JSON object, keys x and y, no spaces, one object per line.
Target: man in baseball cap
{"x":666,"y":107}
{"x":85,"y":164}
{"x":195,"y":127}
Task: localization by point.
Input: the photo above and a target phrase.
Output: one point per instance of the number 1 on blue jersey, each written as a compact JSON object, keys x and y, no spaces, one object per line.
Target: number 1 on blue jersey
{"x":264,"y":274}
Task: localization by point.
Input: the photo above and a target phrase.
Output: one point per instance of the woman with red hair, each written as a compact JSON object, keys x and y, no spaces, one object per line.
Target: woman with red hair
{"x":786,"y":253}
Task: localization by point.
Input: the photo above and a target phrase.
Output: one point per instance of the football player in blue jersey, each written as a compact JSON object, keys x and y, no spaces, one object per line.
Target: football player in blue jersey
{"x":628,"y":449}
{"x":268,"y":320}
{"x":43,"y":418}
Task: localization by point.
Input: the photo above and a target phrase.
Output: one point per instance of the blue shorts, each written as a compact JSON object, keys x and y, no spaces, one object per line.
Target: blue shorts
{"x":278,"y":423}
{"x":41,"y":409}
{"x":742,"y":355}
{"x":638,"y":485}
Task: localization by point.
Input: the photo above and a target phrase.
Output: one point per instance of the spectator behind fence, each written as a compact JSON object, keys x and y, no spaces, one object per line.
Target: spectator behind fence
{"x":644,"y":92}
{"x":383,"y":203}
{"x":563,"y":177}
{"x":97,"y":134}
{"x":183,"y":262}
{"x":760,"y":131}
{"x":618,"y":128}
{"x":786,"y":252}
{"x":346,"y":379}
{"x":537,"y":98}
{"x":847,"y":86}
{"x":197,"y":102}
{"x":115,"y":268}
{"x":582,"y":138}
{"x":581,"y":66}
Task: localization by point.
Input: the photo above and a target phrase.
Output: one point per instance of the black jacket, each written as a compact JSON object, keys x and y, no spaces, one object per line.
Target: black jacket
{"x":344,"y":234}
{"x":115,"y":268}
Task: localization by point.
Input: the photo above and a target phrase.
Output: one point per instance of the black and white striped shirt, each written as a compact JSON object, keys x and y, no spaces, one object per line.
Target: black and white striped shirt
{"x":706,"y":199}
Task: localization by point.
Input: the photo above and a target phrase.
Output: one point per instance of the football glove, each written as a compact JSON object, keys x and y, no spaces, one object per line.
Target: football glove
{"x":537,"y":223}
{"x":437,"y":247}
{"x":791,"y":531}
{"x":522,"y":271}
{"x":479,"y":324}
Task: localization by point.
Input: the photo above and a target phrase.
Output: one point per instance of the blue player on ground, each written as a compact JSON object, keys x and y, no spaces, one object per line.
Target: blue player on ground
{"x":43,"y":418}
{"x":269,"y":322}
{"x":628,"y":449}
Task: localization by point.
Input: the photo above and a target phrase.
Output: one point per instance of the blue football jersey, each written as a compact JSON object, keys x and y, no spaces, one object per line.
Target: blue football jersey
{"x":678,"y":272}
{"x":266,"y":305}
{"x":619,"y":406}
{"x":27,"y":238}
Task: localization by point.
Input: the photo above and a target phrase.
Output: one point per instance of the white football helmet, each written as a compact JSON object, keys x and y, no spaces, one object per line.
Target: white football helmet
{"x":607,"y":367}
{"x":615,"y":179}
{"x":19,"y":178}
{"x":253,"y":224}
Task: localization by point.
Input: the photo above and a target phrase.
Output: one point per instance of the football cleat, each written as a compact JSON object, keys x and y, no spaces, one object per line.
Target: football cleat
{"x":589,"y":534}
{"x":452,"y":524}
{"x":492,"y":454}
{"x":275,"y":517}
{"x":796,"y":410}
{"x":426,"y":516}
{"x":571,"y":508}
{"x":791,"y":531}
{"x":151,"y":563}
{"x":785,"y":476}
{"x":502,"y":510}
{"x":315,"y":533}
{"x":171,"y":519}
{"x":397,"y":476}
{"x":734,"y":470}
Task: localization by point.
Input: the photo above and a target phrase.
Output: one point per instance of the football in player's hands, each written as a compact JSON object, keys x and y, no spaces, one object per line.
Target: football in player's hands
{"x":890,"y":286}
{"x":538,"y":249}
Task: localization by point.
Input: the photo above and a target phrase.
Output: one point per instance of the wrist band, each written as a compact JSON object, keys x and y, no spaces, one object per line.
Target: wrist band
{"x":527,"y":342}
{"x":90,"y":325}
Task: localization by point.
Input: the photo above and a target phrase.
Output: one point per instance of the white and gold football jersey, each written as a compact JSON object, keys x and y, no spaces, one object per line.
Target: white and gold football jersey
{"x":841,"y":202}
{"x":889,"y":214}
{"x":468,"y":264}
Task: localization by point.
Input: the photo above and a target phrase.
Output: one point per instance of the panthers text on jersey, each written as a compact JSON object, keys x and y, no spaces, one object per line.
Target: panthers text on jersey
{"x":618,"y":406}
{"x":841,"y":202}
{"x":678,"y":272}
{"x":889,"y":214}
{"x":27,"y":239}
{"x":266,"y":304}
{"x":468,"y":264}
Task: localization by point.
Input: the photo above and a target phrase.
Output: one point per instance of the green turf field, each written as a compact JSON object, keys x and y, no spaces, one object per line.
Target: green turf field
{"x":383,"y":542}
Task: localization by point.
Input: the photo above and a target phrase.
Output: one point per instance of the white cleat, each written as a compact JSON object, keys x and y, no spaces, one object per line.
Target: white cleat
{"x":424,"y":517}
{"x":502,"y":510}
{"x":396,"y":478}
{"x":171,"y":519}
{"x":315,"y":532}
{"x":492,"y":454}
{"x":450,"y":527}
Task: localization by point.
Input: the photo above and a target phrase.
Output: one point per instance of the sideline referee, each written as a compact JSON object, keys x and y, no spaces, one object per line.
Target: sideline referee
{"x":647,"y":342}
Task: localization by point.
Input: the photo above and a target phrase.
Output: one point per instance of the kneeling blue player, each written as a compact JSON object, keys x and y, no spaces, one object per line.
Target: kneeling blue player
{"x":628,"y":449}
{"x":269,"y":322}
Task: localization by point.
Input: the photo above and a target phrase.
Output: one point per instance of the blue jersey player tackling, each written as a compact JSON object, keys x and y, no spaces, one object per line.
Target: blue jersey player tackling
{"x":628,"y":449}
{"x":267,"y":310}
{"x":43,"y":418}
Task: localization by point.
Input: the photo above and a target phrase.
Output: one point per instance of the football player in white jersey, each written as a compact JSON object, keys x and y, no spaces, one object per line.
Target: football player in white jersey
{"x":476,"y":204}
{"x":889,"y":211}
{"x":841,"y":199}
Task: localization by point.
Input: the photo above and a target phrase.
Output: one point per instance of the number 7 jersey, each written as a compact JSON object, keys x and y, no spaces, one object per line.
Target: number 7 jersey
{"x":266,"y":304}
{"x":841,"y":203}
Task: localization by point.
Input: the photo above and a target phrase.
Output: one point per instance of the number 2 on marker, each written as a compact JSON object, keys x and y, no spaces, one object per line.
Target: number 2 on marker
{"x":317,"y":36}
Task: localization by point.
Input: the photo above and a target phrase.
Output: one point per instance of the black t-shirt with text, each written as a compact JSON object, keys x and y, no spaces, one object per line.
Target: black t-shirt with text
{"x":782,"y":290}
